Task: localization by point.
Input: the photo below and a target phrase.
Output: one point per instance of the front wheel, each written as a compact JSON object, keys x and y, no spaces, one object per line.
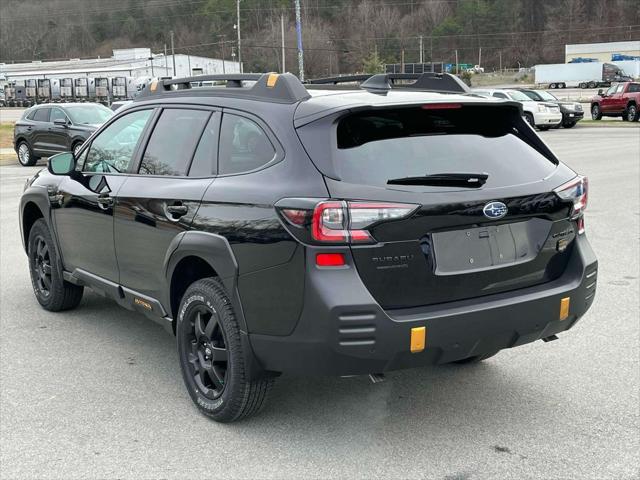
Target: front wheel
{"x":52,"y":291}
{"x":596,"y":113}
{"x":569,"y":125}
{"x":632,"y":113}
{"x":529,"y":119}
{"x":544,"y":128}
{"x":212,"y":357}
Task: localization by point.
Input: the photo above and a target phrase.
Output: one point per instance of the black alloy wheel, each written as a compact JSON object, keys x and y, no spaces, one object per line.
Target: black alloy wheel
{"x":207,"y":349}
{"x":41,"y":266}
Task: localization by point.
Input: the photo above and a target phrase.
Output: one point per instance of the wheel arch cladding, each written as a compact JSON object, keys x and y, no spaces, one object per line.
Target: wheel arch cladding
{"x":30,"y":213}
{"x":200,"y":255}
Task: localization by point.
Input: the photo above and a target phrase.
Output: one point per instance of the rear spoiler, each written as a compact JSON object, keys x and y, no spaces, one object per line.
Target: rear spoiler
{"x":383,"y":82}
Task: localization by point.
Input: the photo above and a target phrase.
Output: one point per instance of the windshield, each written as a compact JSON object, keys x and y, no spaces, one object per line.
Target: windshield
{"x":376,"y":146}
{"x":519,"y":96}
{"x":546,"y":95}
{"x":88,"y":114}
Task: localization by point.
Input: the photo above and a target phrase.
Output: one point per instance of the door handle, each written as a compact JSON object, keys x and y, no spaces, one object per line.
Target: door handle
{"x":105,"y":201}
{"x":176,"y":211}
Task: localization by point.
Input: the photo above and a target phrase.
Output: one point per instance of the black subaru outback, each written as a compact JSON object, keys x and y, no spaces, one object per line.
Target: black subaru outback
{"x":280,"y":228}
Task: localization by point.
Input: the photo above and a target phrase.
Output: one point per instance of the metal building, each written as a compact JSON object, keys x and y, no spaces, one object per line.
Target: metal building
{"x":130,"y":62}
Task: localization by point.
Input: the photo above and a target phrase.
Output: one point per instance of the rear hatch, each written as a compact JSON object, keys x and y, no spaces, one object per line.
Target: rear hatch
{"x":494,"y":226}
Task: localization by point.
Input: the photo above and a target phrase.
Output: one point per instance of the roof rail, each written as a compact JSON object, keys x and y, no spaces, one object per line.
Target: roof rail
{"x":383,"y":82}
{"x":268,"y":87}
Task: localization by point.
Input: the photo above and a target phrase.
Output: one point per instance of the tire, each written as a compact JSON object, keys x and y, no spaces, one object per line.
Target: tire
{"x":562,"y":85}
{"x":529,"y":118}
{"x":476,"y":359}
{"x":582,"y":85}
{"x":633,"y":115}
{"x":544,"y":128}
{"x":553,"y":85}
{"x":569,"y":125}
{"x":596,"y":113}
{"x":206,"y":328}
{"x":52,"y":291}
{"x":26,"y":158}
{"x":75,"y":147}
{"x":593,"y":84}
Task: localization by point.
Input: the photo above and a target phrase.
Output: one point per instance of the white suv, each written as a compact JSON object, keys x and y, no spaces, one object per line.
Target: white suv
{"x":538,"y":114}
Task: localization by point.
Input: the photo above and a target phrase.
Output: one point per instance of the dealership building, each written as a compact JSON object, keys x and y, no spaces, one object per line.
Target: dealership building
{"x":130,"y":62}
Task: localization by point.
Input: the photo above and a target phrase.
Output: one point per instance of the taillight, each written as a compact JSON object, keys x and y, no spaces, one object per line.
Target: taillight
{"x":341,"y":222}
{"x":576,"y":190}
{"x":347,"y":222}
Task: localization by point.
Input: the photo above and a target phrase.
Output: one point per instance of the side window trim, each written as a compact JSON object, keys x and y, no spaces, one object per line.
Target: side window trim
{"x":216,"y":115}
{"x":279,"y":150}
{"x":148,"y":131}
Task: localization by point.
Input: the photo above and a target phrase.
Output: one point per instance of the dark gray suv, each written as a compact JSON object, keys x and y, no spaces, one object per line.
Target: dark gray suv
{"x":47,"y":129}
{"x":278,"y":229}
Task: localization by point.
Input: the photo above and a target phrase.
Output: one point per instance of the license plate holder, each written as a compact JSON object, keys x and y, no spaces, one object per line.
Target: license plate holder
{"x":481,"y":248}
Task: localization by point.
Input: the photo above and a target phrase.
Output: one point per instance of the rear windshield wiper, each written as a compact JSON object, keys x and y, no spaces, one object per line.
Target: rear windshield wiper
{"x":465,"y":180}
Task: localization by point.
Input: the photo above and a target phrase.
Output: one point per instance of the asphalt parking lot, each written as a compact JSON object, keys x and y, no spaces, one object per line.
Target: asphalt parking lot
{"x":97,"y":392}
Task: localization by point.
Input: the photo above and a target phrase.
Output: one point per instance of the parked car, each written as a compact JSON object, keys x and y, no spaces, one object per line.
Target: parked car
{"x":572,"y":112}
{"x":343,"y":233}
{"x":542,"y":115}
{"x":47,"y":129}
{"x":620,"y":100}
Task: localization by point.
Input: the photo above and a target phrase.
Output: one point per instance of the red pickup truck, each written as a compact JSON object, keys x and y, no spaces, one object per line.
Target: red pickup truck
{"x":620,"y":100}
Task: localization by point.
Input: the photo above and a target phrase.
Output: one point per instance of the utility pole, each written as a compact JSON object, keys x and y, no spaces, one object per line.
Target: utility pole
{"x":500,"y":57}
{"x":431,"y":52}
{"x":456,"y":62}
{"x":239,"y":37}
{"x":480,"y":57}
{"x":284,"y":68}
{"x":166,"y":61}
{"x":173,"y":54}
{"x":222,"y":52}
{"x":421,"y":56}
{"x":189,"y":60}
{"x":299,"y":35}
{"x":402,"y":61}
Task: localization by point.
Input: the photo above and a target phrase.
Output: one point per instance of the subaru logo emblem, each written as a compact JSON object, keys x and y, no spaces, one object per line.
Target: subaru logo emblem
{"x":494,"y":210}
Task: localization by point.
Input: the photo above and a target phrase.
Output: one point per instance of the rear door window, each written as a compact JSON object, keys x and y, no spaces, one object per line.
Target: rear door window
{"x":173,"y":142}
{"x":244,"y":146}
{"x":42,"y":115}
{"x":379,"y":145}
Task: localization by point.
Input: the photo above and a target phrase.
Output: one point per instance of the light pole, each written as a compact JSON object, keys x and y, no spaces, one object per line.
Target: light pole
{"x":239,"y":37}
{"x":299,"y":35}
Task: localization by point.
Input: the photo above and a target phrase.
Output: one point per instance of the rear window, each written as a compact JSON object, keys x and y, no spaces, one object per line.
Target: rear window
{"x":376,"y":146}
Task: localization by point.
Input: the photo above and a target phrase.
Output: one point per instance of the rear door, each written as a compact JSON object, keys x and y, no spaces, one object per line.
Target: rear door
{"x":461,"y":241}
{"x":159,"y":200}
{"x":40,"y":130}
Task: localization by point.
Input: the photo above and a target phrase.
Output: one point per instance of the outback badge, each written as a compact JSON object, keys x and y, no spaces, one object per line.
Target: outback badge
{"x":494,"y":210}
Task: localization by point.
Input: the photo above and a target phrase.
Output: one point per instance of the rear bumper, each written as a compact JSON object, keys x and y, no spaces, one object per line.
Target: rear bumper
{"x":343,"y":331}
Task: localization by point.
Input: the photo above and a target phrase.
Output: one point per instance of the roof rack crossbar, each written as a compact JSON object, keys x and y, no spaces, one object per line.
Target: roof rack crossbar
{"x":270,"y":87}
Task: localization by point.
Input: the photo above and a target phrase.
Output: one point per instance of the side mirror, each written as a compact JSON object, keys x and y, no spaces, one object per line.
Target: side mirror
{"x":62,"y":163}
{"x":601,"y":92}
{"x":60,"y":122}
